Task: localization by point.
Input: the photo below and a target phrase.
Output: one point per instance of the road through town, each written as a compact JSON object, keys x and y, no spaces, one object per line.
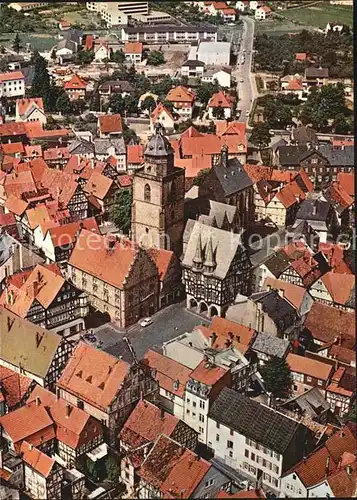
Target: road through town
{"x":246,"y":86}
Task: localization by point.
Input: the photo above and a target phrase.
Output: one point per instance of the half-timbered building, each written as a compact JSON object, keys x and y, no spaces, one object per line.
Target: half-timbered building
{"x":215,"y":268}
{"x":42,"y":296}
{"x":105,"y":387}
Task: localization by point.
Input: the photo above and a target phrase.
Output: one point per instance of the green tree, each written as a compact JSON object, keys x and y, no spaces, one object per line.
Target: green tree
{"x":84,"y":57}
{"x":206,"y":90}
{"x":112,"y":469}
{"x":218,"y":113}
{"x":276,"y":114}
{"x":148,"y":104}
{"x":162,"y":87}
{"x":155,"y":58}
{"x":277,"y":377}
{"x":322,"y":105}
{"x":129,"y":135}
{"x":260,"y":136}
{"x":118,"y":56}
{"x":130,"y":104}
{"x":116,"y":104}
{"x":200,"y":176}
{"x":121,"y":213}
{"x":17,"y":44}
{"x":63,"y":104}
{"x":341,"y":125}
{"x":351,"y":416}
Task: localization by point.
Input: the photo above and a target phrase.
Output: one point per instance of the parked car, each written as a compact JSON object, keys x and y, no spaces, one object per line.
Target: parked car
{"x":247,"y":113}
{"x":90,"y":337}
{"x":146,"y":322}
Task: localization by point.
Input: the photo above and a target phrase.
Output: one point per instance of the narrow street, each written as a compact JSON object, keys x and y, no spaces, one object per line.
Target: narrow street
{"x":246,"y":86}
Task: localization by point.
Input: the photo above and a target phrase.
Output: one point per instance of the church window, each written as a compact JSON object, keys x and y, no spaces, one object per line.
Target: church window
{"x":147,"y":192}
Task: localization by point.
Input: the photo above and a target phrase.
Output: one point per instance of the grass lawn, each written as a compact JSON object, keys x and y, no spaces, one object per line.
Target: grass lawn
{"x":277,"y":27}
{"x":41,"y":42}
{"x":320,"y":14}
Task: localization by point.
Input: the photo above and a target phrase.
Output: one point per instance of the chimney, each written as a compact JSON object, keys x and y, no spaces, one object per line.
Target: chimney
{"x":212,"y":338}
{"x":38,"y":401}
{"x":238,"y":338}
{"x":349,"y":470}
{"x":314,"y":208}
{"x":36,"y":287}
{"x":30,"y":447}
{"x":281,"y":292}
{"x":68,"y":410}
{"x":327,"y":466}
{"x":162,"y":414}
{"x":58,"y":393}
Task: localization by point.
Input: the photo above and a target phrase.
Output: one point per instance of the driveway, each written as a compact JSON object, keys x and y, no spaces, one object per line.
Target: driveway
{"x":168,"y":323}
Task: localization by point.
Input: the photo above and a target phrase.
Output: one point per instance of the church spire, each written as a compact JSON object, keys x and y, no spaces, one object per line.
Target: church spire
{"x":209,"y":262}
{"x":197,"y":260}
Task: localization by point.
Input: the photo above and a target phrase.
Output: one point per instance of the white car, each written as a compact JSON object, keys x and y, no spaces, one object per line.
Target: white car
{"x":146,"y":322}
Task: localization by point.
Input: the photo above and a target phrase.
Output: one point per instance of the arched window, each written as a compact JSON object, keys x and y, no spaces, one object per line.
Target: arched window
{"x":147,"y":192}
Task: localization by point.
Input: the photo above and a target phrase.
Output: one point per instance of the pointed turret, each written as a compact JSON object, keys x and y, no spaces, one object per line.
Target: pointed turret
{"x":198,"y":260}
{"x":209,"y":263}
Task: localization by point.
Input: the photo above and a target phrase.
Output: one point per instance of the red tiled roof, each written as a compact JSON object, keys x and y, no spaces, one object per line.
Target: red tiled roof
{"x":221,"y":100}
{"x":74,"y":427}
{"x":42,"y":285}
{"x":162,"y":259}
{"x":66,"y":233}
{"x":228,"y":11}
{"x":194,"y":165}
{"x":293,"y":293}
{"x":342,"y":482}
{"x":295,"y":84}
{"x":37,"y":460}
{"x":145,"y":424}
{"x":346,"y":181}
{"x":342,"y":354}
{"x":135,"y":154}
{"x":173,"y":469}
{"x":191,"y":132}
{"x":208,"y":374}
{"x":14,"y":385}
{"x":309,"y":366}
{"x":230,"y":128}
{"x":12,"y":148}
{"x":168,"y":371}
{"x":339,"y":195}
{"x":76,"y":82}
{"x":16,"y":205}
{"x":7,"y":219}
{"x":160,"y":108}
{"x":110,"y":123}
{"x":125,"y":181}
{"x":12,"y":128}
{"x":98,"y":185}
{"x":93,"y":375}
{"x":313,"y":469}
{"x":91,"y":255}
{"x":133,"y":48}
{"x":181,"y":94}
{"x":33,"y":150}
{"x":89,"y":42}
{"x":326,"y":323}
{"x":56,"y":153}
{"x":223,"y":327}
{"x":24,"y":104}
{"x":12,"y":75}
{"x":300,"y":56}
{"x":339,"y":286}
{"x":27,"y":423}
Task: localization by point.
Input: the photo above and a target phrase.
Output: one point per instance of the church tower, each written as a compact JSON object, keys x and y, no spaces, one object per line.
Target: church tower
{"x":158,"y":197}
